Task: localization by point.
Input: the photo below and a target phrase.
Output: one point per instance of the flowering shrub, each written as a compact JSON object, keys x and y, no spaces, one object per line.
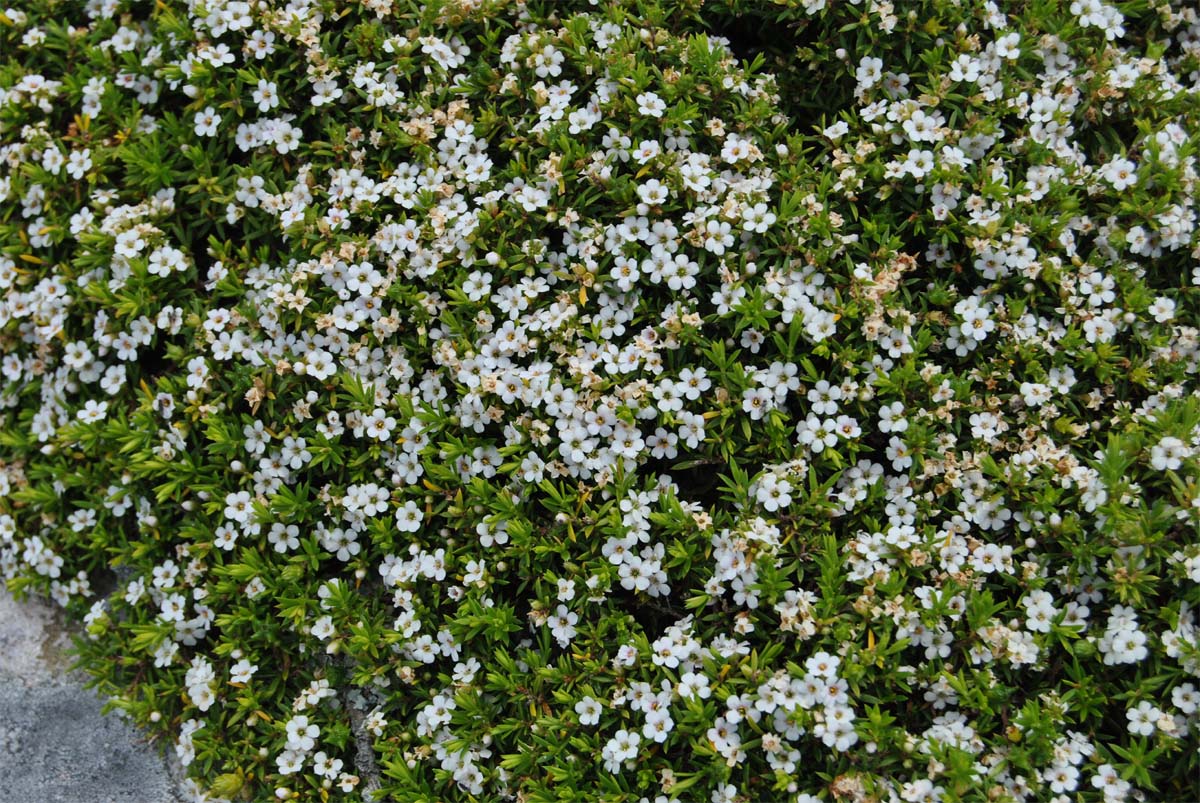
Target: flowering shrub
{"x":623,"y":401}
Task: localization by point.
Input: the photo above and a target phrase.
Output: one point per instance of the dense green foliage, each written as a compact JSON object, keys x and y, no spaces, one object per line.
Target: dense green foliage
{"x":626,"y":401}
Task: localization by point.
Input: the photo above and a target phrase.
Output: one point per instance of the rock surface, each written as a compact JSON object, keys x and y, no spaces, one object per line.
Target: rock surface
{"x":55,"y":745}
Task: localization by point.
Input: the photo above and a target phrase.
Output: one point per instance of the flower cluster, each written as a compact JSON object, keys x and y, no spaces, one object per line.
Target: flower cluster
{"x":523,"y":400}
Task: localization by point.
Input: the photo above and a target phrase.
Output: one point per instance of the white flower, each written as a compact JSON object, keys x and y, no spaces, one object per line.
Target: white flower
{"x":1006,"y":46}
{"x":757,"y":218}
{"x":735,"y":149}
{"x":717,"y":236}
{"x":79,"y":162}
{"x":1185,"y":698}
{"x":261,"y":44}
{"x":1168,"y":454}
{"x":1144,"y":719}
{"x":323,"y":628}
{"x":225,"y":536}
{"x":1126,"y":645}
{"x":898,"y":452}
{"x":891,"y":418}
{"x":325,"y":766}
{"x":693,"y":685}
{"x":651,"y":104}
{"x":1098,"y":329}
{"x":202,"y":697}
{"x":325,"y":91}
{"x":824,"y":397}
{"x":242,"y":671}
{"x":870,"y":70}
{"x":1163,"y":309}
{"x":1121,"y":173}
{"x":1061,"y":777}
{"x":1108,"y":779}
{"x":409,"y":517}
{"x":646,"y":150}
{"x":301,"y":735}
{"x":93,"y":411}
{"x":1035,"y":394}
{"x":622,"y":747}
{"x":562,"y":625}
{"x":52,"y":160}
{"x":818,"y":433}
{"x":626,"y":655}
{"x":918,"y":163}
{"x":173,"y":608}
{"x":837,"y":130}
{"x":588,"y":711}
{"x":658,"y":725}
{"x":266,"y":95}
{"x":774,"y":493}
{"x":283,"y":537}
{"x":1039,"y":611}
{"x":165,"y":653}
{"x":207,"y":122}
{"x":238,"y":506}
{"x":379,"y":425}
{"x":653,"y":192}
{"x":289,"y":761}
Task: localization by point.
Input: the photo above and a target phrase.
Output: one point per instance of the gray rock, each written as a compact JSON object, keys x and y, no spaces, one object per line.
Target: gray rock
{"x":55,"y":745}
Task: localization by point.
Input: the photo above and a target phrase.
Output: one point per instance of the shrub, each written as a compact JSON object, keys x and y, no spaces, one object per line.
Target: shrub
{"x":627,"y":401}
